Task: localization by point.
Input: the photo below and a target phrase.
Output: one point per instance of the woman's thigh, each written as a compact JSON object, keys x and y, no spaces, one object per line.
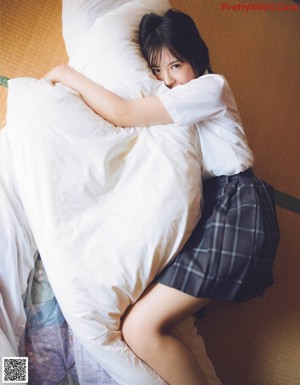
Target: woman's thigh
{"x":160,"y":308}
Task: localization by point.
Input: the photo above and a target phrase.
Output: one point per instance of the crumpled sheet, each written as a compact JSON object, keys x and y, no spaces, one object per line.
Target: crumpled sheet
{"x":108,"y":208}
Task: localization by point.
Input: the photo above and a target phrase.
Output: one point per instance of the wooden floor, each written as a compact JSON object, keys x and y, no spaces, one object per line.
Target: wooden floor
{"x":255,"y":343}
{"x":30,"y":41}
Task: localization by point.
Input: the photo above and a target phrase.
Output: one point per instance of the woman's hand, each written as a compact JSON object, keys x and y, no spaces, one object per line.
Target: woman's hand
{"x":57,"y":74}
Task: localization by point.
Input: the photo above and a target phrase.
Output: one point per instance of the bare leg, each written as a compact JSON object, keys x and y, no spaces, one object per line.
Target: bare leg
{"x":147,"y":330}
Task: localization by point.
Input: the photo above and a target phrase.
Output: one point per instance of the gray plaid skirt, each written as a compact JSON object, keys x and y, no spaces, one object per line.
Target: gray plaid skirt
{"x":230,"y":253}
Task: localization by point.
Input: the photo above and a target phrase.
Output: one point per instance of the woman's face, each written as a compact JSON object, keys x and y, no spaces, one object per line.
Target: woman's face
{"x":173,"y":71}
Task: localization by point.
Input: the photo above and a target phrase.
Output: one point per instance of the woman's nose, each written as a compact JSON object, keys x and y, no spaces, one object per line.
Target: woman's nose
{"x":169,"y":80}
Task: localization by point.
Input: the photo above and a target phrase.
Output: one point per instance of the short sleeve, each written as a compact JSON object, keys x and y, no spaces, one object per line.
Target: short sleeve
{"x":200,"y":99}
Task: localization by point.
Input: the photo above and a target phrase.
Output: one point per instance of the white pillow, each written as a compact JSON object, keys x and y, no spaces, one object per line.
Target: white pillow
{"x":110,"y":55}
{"x":79,"y":15}
{"x":108,"y":207}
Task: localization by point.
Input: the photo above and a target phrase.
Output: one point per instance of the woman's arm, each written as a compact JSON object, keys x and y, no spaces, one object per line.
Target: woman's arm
{"x":116,"y":110}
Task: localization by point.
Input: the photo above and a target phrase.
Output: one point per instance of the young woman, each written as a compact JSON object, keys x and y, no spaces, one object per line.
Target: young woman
{"x":231,"y":251}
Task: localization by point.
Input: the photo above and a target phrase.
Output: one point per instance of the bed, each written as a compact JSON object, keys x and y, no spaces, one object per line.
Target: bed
{"x":80,"y":244}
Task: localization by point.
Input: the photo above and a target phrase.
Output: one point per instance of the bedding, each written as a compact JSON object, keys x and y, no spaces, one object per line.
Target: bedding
{"x":108,"y":207}
{"x":79,"y":15}
{"x":17,"y":248}
{"x":48,"y":338}
{"x":54,"y":356}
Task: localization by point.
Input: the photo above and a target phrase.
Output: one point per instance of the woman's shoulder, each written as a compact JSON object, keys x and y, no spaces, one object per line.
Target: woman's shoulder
{"x":217,"y":79}
{"x":209,"y":82}
{"x":215,"y":83}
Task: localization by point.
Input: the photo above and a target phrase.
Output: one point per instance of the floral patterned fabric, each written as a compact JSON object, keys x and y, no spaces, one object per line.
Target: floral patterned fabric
{"x":55,"y":356}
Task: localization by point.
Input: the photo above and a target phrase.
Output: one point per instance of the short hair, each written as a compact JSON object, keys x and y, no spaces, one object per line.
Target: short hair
{"x":177,"y":32}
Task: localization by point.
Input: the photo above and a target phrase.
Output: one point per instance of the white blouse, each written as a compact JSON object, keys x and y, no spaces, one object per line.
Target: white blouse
{"x":208,"y":103}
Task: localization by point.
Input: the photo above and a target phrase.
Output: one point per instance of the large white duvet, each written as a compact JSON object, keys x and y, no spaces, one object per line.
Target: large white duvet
{"x":108,"y":207}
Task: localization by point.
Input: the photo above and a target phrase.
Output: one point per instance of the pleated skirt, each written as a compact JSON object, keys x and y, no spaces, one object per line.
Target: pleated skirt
{"x":230,"y":253}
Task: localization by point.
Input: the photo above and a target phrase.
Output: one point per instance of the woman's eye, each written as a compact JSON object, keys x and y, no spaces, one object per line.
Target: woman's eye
{"x":176,"y":66}
{"x":155,"y":71}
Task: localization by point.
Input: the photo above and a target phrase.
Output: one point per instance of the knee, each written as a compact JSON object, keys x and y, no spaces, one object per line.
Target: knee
{"x":134,"y":329}
{"x":140,"y":334}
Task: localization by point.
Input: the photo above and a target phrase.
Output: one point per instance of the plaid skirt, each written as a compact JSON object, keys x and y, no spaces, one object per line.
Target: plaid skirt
{"x":230,"y":253}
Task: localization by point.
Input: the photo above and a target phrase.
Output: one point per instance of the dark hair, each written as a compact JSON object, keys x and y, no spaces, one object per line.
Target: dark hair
{"x":177,"y":32}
